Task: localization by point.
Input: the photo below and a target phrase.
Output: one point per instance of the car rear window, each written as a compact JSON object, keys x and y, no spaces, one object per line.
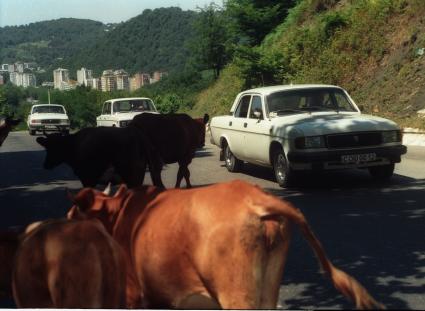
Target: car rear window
{"x":48,"y":109}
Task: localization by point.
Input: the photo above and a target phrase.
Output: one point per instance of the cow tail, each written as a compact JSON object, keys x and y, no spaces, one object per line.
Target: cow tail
{"x":343,"y":282}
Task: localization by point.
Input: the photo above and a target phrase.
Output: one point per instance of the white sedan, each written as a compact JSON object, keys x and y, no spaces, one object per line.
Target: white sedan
{"x":295,"y":128}
{"x":118,"y":112}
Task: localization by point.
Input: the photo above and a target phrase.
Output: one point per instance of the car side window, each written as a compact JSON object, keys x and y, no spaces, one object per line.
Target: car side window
{"x":107,"y":108}
{"x":256,"y":106}
{"x":242,"y":110}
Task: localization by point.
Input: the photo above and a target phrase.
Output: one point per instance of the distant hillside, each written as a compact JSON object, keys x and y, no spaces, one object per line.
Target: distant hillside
{"x":47,"y":42}
{"x":373,"y":48}
{"x":154,"y":40}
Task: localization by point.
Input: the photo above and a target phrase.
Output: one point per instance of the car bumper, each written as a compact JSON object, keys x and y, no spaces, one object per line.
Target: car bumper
{"x":49,"y":128}
{"x":332,"y":159}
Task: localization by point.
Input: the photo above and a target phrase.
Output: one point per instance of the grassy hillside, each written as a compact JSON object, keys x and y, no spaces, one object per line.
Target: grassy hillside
{"x":370,"y":47}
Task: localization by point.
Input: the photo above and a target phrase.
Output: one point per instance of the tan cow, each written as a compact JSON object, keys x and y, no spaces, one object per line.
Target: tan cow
{"x":69,"y":264}
{"x":223,"y":245}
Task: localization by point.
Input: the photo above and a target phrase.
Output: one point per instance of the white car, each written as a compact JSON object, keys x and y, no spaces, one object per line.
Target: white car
{"x":119,"y":112}
{"x":295,"y":128}
{"x":48,"y":118}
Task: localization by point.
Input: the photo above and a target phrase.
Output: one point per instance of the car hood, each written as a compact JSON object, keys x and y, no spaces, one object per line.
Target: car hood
{"x":43,"y":116}
{"x":323,"y":123}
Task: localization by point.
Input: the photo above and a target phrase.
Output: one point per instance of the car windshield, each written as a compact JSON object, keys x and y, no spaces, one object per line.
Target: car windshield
{"x":133,"y":105}
{"x":48,"y":109}
{"x":307,"y":100}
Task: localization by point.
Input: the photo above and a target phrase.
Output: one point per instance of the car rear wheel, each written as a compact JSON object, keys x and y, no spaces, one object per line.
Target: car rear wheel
{"x":383,"y":172}
{"x":233,"y":164}
{"x":283,"y":173}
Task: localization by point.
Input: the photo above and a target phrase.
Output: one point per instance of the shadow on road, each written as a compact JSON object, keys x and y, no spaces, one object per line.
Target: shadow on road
{"x":26,"y":195}
{"x":373,"y":232}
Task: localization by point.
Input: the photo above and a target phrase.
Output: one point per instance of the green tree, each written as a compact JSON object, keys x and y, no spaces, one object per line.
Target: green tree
{"x":211,"y":39}
{"x":252,"y":20}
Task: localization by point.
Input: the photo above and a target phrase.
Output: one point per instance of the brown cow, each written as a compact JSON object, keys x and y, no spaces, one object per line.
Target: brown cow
{"x":6,"y":127}
{"x":175,"y":137}
{"x":69,"y":264}
{"x":223,"y":245}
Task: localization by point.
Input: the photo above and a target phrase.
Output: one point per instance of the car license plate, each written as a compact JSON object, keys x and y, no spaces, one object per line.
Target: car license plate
{"x":357,"y":158}
{"x":50,"y":127}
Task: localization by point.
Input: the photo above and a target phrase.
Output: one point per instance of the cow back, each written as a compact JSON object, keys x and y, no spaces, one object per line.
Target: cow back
{"x":69,"y":264}
{"x":174,"y":136}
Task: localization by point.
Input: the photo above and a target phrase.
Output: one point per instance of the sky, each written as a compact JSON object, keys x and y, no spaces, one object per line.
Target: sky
{"x":21,"y":12}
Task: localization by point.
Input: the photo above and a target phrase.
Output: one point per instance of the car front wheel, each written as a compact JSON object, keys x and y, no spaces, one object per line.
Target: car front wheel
{"x":382,"y":173}
{"x":283,"y":173}
{"x":233,"y":164}
{"x":32,"y":132}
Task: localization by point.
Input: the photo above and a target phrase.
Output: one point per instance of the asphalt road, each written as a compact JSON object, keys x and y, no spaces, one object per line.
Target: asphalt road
{"x":375,"y":232}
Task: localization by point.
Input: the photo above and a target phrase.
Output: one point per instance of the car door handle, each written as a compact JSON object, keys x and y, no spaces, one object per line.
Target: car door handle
{"x":245,"y":124}
{"x":230,"y":123}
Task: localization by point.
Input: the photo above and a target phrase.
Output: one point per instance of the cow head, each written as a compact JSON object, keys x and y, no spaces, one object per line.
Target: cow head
{"x":57,"y":149}
{"x":6,"y":127}
{"x":201,"y":123}
{"x":90,"y":203}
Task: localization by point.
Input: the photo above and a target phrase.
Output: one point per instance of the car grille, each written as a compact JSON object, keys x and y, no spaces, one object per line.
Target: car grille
{"x":354,"y":140}
{"x":50,"y":121}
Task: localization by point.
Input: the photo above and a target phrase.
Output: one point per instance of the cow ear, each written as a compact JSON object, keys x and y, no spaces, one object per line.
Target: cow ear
{"x":84,"y":199}
{"x":121,"y":190}
{"x":42,"y":141}
{"x":206,"y":118}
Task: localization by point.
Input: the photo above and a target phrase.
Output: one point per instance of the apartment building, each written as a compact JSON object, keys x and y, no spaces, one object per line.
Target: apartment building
{"x":83,"y":75}
{"x":24,"y":79}
{"x":139,"y":80}
{"x":1,"y":80}
{"x":60,"y":78}
{"x":108,"y":81}
{"x":122,"y":79}
{"x":94,"y":83}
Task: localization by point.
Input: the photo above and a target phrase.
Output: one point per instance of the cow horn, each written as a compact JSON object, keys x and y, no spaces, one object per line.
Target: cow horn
{"x":107,"y":190}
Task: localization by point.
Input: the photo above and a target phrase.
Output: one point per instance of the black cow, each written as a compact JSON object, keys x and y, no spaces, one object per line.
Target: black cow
{"x":174,"y":137}
{"x":92,"y":151}
{"x":6,"y":127}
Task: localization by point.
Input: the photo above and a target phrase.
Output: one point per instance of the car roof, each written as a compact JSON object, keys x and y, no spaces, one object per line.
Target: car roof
{"x":266,"y":90}
{"x":38,"y":105}
{"x":127,"y":98}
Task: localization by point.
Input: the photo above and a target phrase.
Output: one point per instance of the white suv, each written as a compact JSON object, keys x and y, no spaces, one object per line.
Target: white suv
{"x":47,"y":117}
{"x":119,"y":112}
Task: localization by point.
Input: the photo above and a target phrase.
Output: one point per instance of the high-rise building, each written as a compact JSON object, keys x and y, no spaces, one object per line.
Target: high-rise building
{"x":122,"y":79}
{"x":108,"y":81}
{"x":24,"y":79}
{"x":139,"y":80}
{"x":83,"y":75}
{"x":60,"y":78}
{"x":1,"y":80}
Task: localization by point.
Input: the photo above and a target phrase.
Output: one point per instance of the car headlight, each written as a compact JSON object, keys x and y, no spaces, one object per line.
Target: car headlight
{"x":310,"y":142}
{"x":35,"y":121}
{"x":391,"y":136}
